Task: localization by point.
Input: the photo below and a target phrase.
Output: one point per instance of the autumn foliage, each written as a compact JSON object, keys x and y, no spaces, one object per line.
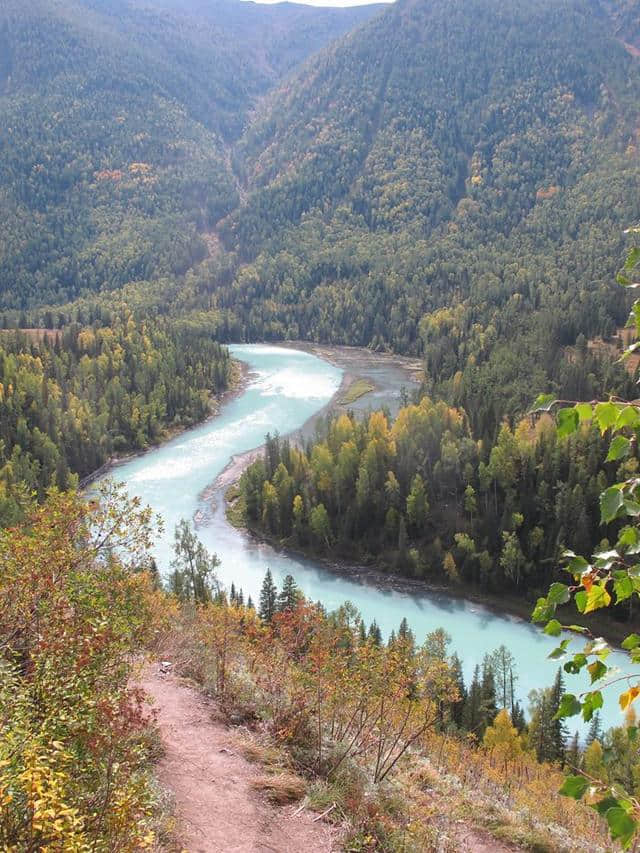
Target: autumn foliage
{"x":72,"y":734}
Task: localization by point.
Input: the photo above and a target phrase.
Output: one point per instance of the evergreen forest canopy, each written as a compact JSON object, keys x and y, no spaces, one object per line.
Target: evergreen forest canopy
{"x":118,"y":119}
{"x":449,"y":179}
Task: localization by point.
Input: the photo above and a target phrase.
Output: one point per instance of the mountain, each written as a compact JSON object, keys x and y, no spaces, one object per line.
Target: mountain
{"x":453,"y":179}
{"x":118,"y":116}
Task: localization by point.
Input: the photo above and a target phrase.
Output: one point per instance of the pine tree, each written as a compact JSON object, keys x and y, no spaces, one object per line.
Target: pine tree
{"x":518,"y":717}
{"x":595,"y":729}
{"x":488,"y":692}
{"x":375,"y":633}
{"x":559,"y":731}
{"x":362,"y":632}
{"x":472,"y":716}
{"x":406,"y":635}
{"x":573,"y":753}
{"x":268,"y":598}
{"x":457,"y":708}
{"x":290,"y":595}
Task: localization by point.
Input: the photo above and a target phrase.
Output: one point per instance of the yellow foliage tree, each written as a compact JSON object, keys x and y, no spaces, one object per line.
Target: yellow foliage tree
{"x":503,"y":737}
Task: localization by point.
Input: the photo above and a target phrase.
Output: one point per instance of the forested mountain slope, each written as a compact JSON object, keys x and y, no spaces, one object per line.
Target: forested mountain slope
{"x":117,"y":117}
{"x":451,"y":178}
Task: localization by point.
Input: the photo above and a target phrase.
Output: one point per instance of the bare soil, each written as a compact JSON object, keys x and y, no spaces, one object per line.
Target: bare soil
{"x":216,"y":807}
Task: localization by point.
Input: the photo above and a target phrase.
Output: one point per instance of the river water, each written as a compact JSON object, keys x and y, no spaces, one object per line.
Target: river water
{"x":286,"y":388}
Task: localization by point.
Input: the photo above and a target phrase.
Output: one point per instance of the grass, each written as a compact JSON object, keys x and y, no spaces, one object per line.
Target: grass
{"x":235,"y":507}
{"x":357,"y":389}
{"x":281,"y":788}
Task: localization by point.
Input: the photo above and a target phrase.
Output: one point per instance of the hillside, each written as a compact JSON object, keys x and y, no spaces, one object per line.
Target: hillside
{"x":118,"y":118}
{"x":450,"y":179}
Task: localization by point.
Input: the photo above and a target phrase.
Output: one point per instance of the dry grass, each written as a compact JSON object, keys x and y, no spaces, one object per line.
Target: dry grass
{"x":281,"y":788}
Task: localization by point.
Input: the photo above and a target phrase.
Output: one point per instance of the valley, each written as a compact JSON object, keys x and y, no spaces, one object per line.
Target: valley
{"x":318,"y":409}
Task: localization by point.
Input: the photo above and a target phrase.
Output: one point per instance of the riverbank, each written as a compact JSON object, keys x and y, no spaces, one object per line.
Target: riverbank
{"x":240,"y":376}
{"x":378,"y":377}
{"x":383,"y":579}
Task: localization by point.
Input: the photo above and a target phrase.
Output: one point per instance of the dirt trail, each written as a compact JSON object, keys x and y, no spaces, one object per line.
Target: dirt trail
{"x":216,"y":807}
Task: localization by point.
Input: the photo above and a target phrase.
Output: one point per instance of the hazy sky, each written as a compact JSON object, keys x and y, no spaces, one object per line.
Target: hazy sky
{"x":331,"y":2}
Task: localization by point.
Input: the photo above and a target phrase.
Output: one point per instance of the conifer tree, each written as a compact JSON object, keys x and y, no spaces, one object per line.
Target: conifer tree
{"x":362,"y":632}
{"x":595,"y":729}
{"x":518,"y":717}
{"x":472,"y":717}
{"x":375,"y":633}
{"x":489,"y":707}
{"x":573,"y":756}
{"x":457,"y":708}
{"x":289,"y":596}
{"x":559,"y":732}
{"x":268,"y":598}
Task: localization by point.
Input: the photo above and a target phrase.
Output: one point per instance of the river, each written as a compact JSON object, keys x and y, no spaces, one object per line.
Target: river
{"x":286,"y":388}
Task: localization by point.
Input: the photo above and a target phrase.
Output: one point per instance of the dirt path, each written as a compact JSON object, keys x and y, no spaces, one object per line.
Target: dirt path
{"x":216,"y":807}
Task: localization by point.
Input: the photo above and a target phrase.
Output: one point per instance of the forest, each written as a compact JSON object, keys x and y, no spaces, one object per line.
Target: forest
{"x":74,"y":398}
{"x":453,"y":180}
{"x":118,"y":121}
{"x":419,"y":496}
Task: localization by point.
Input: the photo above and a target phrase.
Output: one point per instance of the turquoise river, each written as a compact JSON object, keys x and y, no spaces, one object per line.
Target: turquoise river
{"x":286,"y":388}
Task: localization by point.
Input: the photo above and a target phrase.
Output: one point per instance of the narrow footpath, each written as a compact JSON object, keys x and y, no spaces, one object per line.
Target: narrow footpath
{"x":216,"y":807}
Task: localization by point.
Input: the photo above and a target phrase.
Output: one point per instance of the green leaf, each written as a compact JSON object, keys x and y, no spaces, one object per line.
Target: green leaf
{"x":603,"y":806}
{"x":631,"y":642}
{"x":567,"y":422}
{"x":558,"y":594}
{"x":592,"y":702}
{"x":619,"y":447}
{"x":560,"y":651}
{"x":621,"y":825}
{"x":553,"y":628}
{"x":579,"y":629}
{"x":543,"y":402}
{"x":569,"y":707}
{"x":628,"y":417}
{"x":581,"y":600}
{"x":574,"y":786}
{"x":543,"y":611}
{"x":606,"y":414}
{"x":611,"y":501}
{"x":628,"y":537}
{"x":596,"y":670}
{"x":585,"y":411}
{"x":631,"y":507}
{"x":574,"y":666}
{"x":623,"y":589}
